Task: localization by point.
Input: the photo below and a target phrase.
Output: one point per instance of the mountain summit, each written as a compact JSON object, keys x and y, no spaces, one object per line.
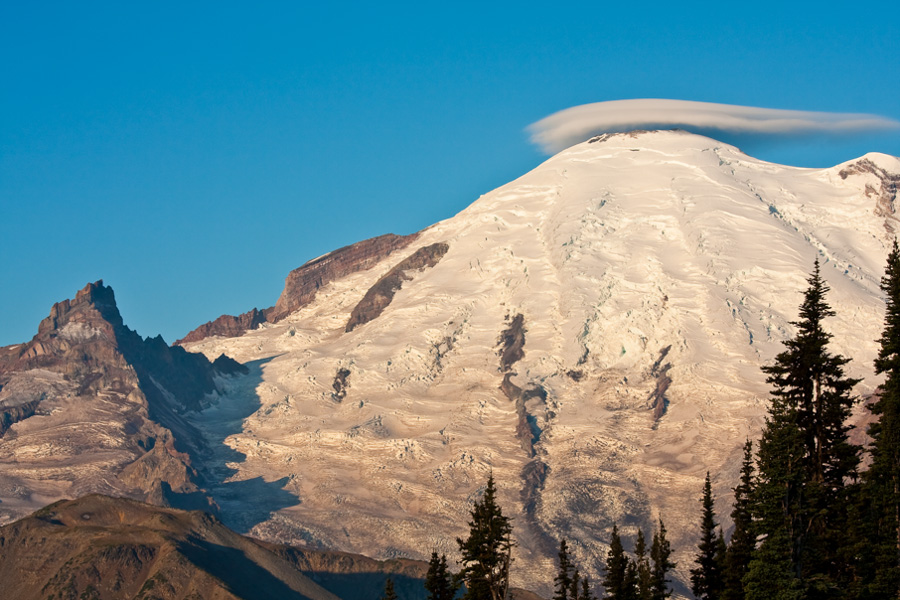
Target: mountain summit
{"x":592,"y":333}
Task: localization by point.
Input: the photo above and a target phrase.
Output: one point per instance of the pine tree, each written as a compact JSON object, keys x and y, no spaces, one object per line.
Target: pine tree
{"x":706,"y":578}
{"x":630,"y":589}
{"x":882,"y":480}
{"x":573,"y":587}
{"x":563,"y":580}
{"x":586,"y":593}
{"x":642,"y":563}
{"x":660,"y":553}
{"x":616,"y":567}
{"x":439,"y":582}
{"x":389,"y":593}
{"x":721,"y":551}
{"x":743,"y":539}
{"x":486,"y":553}
{"x":805,"y":459}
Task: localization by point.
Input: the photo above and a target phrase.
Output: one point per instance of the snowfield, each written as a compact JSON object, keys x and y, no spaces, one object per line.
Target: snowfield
{"x":655,"y":272}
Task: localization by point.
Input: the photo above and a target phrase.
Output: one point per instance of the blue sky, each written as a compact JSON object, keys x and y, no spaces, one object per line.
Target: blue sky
{"x":191,"y":156}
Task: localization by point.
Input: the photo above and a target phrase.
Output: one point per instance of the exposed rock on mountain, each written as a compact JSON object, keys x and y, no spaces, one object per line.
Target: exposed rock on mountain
{"x":884,"y":191}
{"x":654,"y":272}
{"x":380,"y":295}
{"x":89,"y":406}
{"x":302,"y":284}
{"x":226,"y":326}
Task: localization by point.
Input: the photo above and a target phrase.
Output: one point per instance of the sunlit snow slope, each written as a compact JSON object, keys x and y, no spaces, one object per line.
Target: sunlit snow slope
{"x":654,"y":273}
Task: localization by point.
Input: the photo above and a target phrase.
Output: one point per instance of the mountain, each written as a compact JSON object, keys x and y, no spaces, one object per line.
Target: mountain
{"x":106,"y":548}
{"x":591,"y":333}
{"x":89,"y":406}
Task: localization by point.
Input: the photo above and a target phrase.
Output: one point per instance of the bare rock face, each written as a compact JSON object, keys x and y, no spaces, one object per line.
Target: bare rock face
{"x":89,"y":406}
{"x":226,"y":326}
{"x":380,"y":295}
{"x":302,"y":283}
{"x":885,"y":194}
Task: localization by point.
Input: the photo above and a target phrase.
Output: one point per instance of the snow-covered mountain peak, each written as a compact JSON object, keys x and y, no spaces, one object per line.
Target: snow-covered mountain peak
{"x":592,"y":332}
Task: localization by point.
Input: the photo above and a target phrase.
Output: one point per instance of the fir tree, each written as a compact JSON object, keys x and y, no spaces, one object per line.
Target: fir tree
{"x":389,"y":593}
{"x":586,"y":593}
{"x":439,"y":582}
{"x":642,"y":563}
{"x":660,"y":553}
{"x":630,"y":589}
{"x":743,"y":539}
{"x":805,"y":459}
{"x":616,"y":567}
{"x":486,"y":553}
{"x":881,"y":514}
{"x":573,"y":588}
{"x":721,"y":551}
{"x":706,"y":577}
{"x":563,"y":580}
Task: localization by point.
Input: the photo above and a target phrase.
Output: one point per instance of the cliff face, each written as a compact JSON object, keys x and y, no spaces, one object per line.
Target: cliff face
{"x":303,"y":283}
{"x":226,"y":326}
{"x":884,"y":192}
{"x":88,"y":405}
{"x":380,"y":295}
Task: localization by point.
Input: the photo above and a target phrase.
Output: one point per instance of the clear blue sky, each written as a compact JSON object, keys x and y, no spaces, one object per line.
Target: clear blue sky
{"x":191,"y":155}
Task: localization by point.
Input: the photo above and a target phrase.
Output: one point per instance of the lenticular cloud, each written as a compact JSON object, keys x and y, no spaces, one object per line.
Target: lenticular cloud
{"x":573,"y":125}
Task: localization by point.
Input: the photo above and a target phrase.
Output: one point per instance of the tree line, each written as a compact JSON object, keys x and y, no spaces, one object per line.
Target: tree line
{"x":809,"y":522}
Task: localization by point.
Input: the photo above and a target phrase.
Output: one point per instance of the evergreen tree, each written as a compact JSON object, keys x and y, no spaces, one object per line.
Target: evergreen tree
{"x":573,"y":588}
{"x":616,"y":567}
{"x":563,"y":580}
{"x":743,"y":539}
{"x":389,"y":593}
{"x":805,"y":459}
{"x":660,"y":553}
{"x":706,"y":577}
{"x":642,"y":563}
{"x":881,"y":513}
{"x":486,"y":553}
{"x":439,"y":582}
{"x":721,"y":551}
{"x":586,"y":593}
{"x":630,"y":589}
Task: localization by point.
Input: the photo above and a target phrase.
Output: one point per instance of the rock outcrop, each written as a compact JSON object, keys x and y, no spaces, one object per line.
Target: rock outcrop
{"x":303,"y":283}
{"x":885,"y":194}
{"x":382,"y":293}
{"x":226,"y":326}
{"x":88,"y":405}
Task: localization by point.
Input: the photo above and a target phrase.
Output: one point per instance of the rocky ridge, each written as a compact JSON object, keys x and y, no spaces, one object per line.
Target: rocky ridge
{"x":302,"y":283}
{"x":89,"y":406}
